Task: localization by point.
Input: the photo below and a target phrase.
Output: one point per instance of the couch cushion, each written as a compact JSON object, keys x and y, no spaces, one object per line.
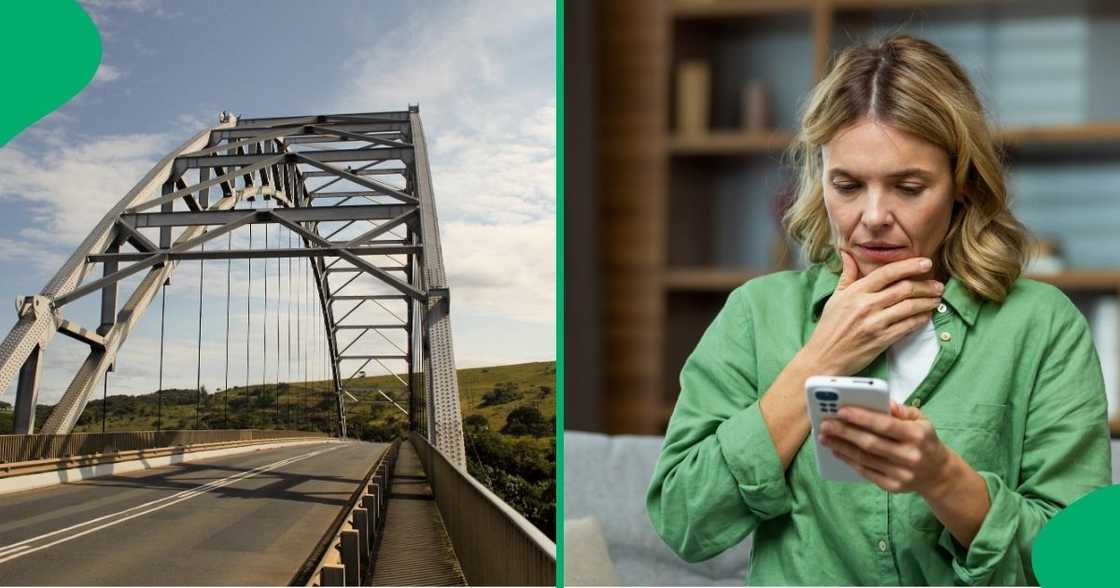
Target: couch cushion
{"x":607,"y":477}
{"x":587,"y":560}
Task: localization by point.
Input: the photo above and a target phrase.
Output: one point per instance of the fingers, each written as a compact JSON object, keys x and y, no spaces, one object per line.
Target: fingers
{"x":904,"y":289}
{"x":888,"y":274}
{"x":906,"y":309}
{"x":885,"y":425}
{"x":865,"y":463}
{"x":850,"y":272}
{"x":889,"y":482}
{"x":899,"y":329}
{"x":879,"y":445}
{"x":910,"y":413}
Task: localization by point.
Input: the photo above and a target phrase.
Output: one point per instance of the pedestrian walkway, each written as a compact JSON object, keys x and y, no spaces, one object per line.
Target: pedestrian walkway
{"x":415,"y":549}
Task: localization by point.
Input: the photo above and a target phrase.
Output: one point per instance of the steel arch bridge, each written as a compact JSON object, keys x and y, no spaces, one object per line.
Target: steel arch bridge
{"x":369,"y":231}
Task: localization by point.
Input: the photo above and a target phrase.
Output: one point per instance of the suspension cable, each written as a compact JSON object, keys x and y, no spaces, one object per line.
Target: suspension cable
{"x":315,"y":331}
{"x":198,"y":371}
{"x":278,"y":328}
{"x":289,"y":316}
{"x":229,"y":284}
{"x":159,"y":388}
{"x":105,"y":399}
{"x":248,"y":319}
{"x":299,"y":333}
{"x":264,"y":322}
{"x":302,"y":341}
{"x":308,"y":345}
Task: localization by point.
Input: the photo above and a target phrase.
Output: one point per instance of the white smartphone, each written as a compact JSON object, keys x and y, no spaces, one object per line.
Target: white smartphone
{"x":825,"y":396}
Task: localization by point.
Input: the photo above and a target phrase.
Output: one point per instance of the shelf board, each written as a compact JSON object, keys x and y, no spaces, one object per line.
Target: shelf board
{"x":725,"y":280}
{"x":731,"y":142}
{"x":853,"y":5}
{"x":1085,"y":279}
{"x":706,"y":279}
{"x":735,"y":142}
{"x":696,"y":9}
{"x":1057,"y":135}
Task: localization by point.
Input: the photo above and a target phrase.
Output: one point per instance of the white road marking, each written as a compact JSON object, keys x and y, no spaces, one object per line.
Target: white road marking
{"x":11,"y":550}
{"x":22,"y":548}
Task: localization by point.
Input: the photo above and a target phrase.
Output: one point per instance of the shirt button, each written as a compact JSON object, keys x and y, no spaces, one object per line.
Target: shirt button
{"x":942,"y":308}
{"x":945,"y":336}
{"x":882,"y":545}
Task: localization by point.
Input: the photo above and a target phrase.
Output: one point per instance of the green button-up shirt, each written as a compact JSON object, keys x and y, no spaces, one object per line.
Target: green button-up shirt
{"x":1016,"y":390}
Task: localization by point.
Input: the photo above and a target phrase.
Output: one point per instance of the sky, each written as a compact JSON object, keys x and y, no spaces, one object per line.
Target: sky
{"x":483,"y":74}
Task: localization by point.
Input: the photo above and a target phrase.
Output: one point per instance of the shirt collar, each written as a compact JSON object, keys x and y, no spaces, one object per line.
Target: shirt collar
{"x":956,"y":295}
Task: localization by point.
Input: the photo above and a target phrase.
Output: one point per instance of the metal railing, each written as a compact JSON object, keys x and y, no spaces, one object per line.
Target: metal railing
{"x":345,"y":556}
{"x":495,"y":544}
{"x":19,"y":448}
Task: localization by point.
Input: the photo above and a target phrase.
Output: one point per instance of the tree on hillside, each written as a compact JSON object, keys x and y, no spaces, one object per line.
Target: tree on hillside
{"x":502,"y":393}
{"x":526,"y":420}
{"x":476,"y":422}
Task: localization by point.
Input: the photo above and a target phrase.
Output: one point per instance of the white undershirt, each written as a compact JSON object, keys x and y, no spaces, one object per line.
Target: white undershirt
{"x":910,"y":360}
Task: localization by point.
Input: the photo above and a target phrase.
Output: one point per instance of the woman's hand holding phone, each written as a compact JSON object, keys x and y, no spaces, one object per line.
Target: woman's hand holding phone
{"x":899,"y":452}
{"x":864,"y":316}
{"x":867,"y":314}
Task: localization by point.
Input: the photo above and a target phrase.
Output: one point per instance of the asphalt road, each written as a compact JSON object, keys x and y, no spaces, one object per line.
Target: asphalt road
{"x":248,"y":519}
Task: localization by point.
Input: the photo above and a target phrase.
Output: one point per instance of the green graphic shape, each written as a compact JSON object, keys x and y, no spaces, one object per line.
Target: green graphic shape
{"x":50,"y":51}
{"x":1077,"y":547}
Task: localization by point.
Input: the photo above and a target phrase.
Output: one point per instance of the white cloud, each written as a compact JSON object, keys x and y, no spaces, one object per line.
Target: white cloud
{"x":107,"y":73}
{"x":132,"y":5}
{"x":492,"y":146}
{"x":502,"y":270}
{"x":105,"y":13}
{"x":24,"y":253}
{"x":71,"y":182}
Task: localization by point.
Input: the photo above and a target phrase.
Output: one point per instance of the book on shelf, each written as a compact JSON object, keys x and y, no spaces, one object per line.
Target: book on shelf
{"x":693,"y":98}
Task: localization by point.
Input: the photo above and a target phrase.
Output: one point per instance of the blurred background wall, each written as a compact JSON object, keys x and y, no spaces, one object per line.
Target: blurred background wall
{"x":677,"y":114}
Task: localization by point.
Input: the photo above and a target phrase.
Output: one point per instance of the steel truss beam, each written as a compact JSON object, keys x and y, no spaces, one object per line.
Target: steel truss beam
{"x":331,"y":156}
{"x":298,"y":215}
{"x":445,"y":425}
{"x":245,"y":159}
{"x":166,"y":254}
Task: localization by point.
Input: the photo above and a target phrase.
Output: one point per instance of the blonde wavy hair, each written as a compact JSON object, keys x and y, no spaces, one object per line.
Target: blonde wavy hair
{"x":916,"y":87}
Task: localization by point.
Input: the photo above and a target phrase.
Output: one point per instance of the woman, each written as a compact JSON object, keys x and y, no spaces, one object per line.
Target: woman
{"x":998,"y":416}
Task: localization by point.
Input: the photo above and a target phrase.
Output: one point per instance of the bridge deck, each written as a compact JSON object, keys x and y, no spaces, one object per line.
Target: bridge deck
{"x":415,"y":549}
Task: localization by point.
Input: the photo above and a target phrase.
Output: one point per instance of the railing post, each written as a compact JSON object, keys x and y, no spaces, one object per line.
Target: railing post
{"x":332,"y":576}
{"x":375,"y":491}
{"x":350,"y":556}
{"x":369,"y":503}
{"x":360,"y":520}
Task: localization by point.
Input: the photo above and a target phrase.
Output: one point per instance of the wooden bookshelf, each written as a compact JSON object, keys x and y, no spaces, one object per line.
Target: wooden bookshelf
{"x":670,"y":256}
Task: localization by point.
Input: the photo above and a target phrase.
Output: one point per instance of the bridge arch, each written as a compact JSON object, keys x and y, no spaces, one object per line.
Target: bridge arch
{"x":369,"y":229}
